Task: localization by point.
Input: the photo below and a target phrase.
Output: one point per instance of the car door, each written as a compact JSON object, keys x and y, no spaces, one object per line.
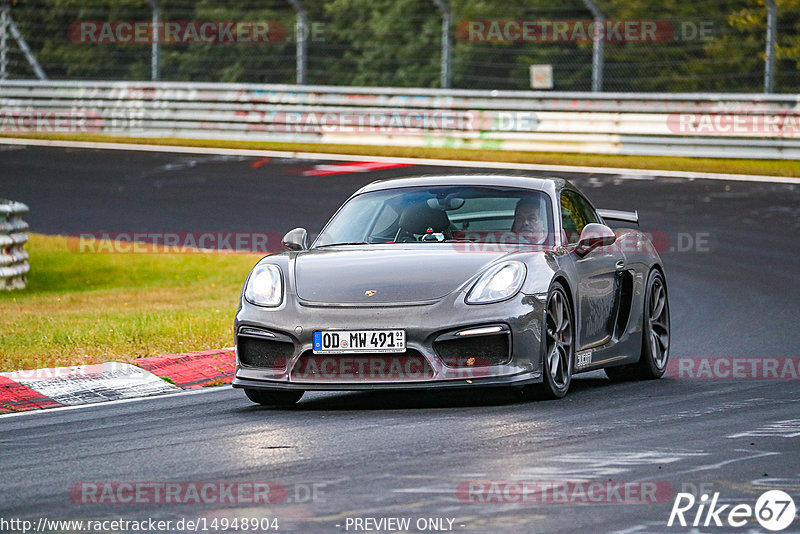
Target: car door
{"x":598,"y":281}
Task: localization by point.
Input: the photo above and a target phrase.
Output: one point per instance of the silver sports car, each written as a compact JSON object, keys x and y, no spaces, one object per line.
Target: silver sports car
{"x":454,"y":281}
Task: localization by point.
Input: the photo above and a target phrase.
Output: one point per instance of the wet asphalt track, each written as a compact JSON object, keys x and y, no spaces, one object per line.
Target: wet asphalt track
{"x":402,"y":455}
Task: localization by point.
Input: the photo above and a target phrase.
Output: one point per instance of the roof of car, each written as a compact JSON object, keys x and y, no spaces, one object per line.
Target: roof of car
{"x":525,"y":182}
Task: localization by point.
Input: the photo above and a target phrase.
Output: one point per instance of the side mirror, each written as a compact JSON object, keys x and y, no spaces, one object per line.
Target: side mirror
{"x":296,"y":239}
{"x":595,"y":235}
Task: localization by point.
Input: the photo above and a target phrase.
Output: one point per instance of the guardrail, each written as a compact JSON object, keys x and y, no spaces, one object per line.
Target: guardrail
{"x":705,"y":125}
{"x":13,"y":257}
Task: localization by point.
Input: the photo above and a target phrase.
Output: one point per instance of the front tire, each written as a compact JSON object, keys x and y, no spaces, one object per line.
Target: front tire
{"x":559,"y":342}
{"x":266,"y":397}
{"x":655,"y":335}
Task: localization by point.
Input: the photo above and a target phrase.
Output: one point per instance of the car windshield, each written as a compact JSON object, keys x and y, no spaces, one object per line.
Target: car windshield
{"x":442,"y":213}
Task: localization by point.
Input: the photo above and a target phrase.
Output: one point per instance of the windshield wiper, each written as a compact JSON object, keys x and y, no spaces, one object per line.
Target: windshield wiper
{"x":346,"y":243}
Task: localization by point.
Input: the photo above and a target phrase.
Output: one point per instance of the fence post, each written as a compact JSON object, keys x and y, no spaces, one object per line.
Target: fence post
{"x":772,"y":29}
{"x":155,"y":49}
{"x":447,"y":22}
{"x":597,"y":45}
{"x":4,"y":20}
{"x":13,"y":257}
{"x":300,"y":34}
{"x":23,"y":46}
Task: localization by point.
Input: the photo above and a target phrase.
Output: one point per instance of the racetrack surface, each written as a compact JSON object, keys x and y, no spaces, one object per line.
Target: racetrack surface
{"x":735,"y":294}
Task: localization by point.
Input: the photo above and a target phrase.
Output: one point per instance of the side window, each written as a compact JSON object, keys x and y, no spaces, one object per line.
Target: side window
{"x":576,"y":213}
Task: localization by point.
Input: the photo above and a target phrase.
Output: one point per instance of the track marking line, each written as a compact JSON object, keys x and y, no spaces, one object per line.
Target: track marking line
{"x":636,"y":173}
{"x":350,"y":168}
{"x":215,"y":389}
{"x":733,"y":461}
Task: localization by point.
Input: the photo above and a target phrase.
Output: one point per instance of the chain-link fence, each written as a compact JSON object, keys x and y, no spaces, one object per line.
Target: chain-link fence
{"x":581,"y":45}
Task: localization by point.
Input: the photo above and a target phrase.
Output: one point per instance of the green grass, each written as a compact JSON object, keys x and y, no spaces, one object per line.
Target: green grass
{"x":84,"y":308}
{"x":720,"y":165}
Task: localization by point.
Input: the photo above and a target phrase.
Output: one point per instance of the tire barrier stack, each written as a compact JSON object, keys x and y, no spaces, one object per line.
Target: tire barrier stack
{"x":13,"y":236}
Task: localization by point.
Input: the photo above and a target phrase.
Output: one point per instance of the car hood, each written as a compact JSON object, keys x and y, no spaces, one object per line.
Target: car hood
{"x":396,"y":273}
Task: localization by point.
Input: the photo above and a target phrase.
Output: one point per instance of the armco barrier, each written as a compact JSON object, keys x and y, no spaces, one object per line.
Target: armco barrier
{"x":13,"y":257}
{"x":707,"y":125}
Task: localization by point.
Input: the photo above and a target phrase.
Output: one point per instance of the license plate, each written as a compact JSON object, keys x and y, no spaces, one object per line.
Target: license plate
{"x":355,"y":341}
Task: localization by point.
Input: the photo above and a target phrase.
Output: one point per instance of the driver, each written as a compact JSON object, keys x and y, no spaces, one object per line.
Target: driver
{"x":529,"y":221}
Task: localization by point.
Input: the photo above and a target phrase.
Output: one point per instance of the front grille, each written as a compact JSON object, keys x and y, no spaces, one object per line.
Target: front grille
{"x":474,"y":351}
{"x":264,"y":353}
{"x":367,"y":367}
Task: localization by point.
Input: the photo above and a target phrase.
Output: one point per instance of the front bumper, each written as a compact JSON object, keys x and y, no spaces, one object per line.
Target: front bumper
{"x":424,"y":323}
{"x":504,"y":381}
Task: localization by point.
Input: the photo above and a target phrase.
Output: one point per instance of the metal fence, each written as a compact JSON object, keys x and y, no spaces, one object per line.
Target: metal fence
{"x":706,"y":125}
{"x":13,"y":236}
{"x":744,"y":46}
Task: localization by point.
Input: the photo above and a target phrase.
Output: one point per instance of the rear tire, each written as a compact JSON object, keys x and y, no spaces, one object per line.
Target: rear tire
{"x":267,"y":397}
{"x":655,"y":335}
{"x":559,"y":341}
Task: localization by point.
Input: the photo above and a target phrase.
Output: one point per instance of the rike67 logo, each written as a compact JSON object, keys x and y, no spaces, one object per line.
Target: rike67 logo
{"x":774,"y":510}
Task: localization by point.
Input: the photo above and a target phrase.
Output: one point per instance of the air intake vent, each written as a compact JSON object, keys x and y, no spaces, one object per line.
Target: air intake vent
{"x":474,"y":351}
{"x":264,"y":353}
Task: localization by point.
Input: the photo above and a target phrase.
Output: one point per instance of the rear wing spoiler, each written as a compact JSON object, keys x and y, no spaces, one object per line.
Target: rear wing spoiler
{"x":617,"y":215}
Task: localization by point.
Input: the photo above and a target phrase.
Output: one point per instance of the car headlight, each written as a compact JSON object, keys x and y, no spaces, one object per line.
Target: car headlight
{"x":265,"y":286}
{"x":497,"y":283}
